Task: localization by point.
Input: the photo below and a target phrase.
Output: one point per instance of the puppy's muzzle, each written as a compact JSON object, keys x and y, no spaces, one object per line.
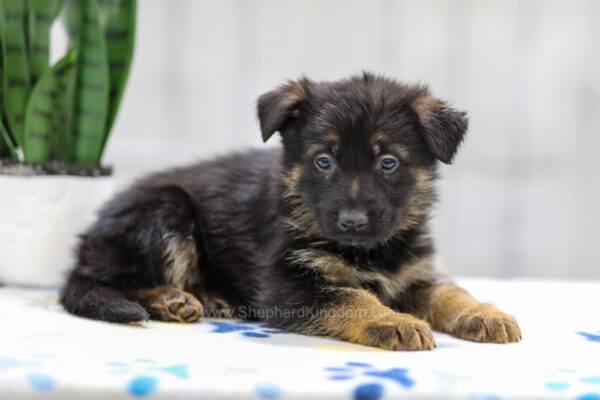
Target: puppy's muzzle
{"x":352,"y":220}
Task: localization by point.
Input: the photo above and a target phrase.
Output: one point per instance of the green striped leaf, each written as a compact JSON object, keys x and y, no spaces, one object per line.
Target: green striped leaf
{"x":117,"y":18}
{"x":92,"y":89}
{"x":41,"y":14}
{"x":72,"y":17}
{"x":3,"y":143}
{"x":9,"y":145}
{"x":65,"y":152}
{"x":43,"y":119}
{"x":16,"y":68}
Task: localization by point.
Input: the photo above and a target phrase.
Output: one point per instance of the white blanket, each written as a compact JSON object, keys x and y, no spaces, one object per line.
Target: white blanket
{"x":45,"y":352}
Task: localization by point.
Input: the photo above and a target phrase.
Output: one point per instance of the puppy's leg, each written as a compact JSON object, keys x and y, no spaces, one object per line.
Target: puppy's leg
{"x":136,"y":260}
{"x":357,"y":316}
{"x":167,"y":303}
{"x":452,"y":310}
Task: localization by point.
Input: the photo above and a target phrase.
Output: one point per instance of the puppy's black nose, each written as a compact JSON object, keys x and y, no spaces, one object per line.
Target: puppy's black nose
{"x":352,"y":220}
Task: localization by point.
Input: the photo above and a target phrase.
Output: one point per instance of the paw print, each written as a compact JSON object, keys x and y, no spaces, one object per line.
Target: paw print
{"x":565,"y":379}
{"x":145,"y":380}
{"x":590,"y":336}
{"x":39,"y":381}
{"x":252,"y":330}
{"x":370,"y":390}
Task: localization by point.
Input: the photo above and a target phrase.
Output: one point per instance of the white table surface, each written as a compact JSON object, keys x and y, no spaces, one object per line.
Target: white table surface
{"x":46,"y":353}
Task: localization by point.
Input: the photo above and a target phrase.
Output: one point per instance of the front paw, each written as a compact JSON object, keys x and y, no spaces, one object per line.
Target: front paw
{"x":399,"y":333}
{"x":485,"y":323}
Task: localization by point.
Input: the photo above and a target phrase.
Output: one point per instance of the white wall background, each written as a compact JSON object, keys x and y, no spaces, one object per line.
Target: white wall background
{"x":523,"y":198}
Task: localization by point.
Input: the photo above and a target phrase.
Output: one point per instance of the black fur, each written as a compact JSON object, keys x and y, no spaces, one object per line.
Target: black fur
{"x":250,"y":214}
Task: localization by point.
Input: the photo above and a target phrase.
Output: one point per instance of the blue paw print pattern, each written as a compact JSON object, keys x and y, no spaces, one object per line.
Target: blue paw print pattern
{"x":9,"y":363}
{"x":147,"y":382}
{"x":267,"y":391}
{"x":246,"y":329}
{"x":398,"y":375}
{"x":371,"y":390}
{"x":592,"y":380}
{"x":567,"y":382}
{"x":485,"y":397}
{"x":557,"y":386}
{"x":41,"y":382}
{"x":589,"y":396}
{"x":141,"y":386}
{"x":592,"y":337}
{"x":38,"y":381}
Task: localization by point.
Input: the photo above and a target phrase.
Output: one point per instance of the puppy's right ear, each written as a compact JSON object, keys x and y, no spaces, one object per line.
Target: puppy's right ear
{"x":279,"y":109}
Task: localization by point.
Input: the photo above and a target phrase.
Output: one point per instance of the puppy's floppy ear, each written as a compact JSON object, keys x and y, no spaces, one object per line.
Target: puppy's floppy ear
{"x":443,"y":127}
{"x":279,"y":109}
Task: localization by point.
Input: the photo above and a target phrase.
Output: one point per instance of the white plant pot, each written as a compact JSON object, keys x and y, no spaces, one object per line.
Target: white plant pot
{"x":40,"y":219}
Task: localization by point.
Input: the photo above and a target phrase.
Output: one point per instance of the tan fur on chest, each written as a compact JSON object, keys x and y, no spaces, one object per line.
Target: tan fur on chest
{"x":337,"y":271}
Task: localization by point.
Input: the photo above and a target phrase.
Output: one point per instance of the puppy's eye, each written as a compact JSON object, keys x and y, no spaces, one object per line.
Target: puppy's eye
{"x":323,"y":162}
{"x":388,"y":163}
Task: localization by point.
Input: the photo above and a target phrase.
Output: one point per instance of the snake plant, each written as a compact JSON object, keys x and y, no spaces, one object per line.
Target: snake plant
{"x":62,"y":112}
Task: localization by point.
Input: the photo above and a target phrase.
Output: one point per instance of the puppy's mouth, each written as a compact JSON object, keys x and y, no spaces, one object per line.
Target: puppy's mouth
{"x":378,"y":231}
{"x":368,"y":238}
{"x":355,"y":241}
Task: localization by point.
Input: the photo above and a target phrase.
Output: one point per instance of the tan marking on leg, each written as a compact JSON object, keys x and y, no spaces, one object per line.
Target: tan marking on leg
{"x":452,"y":310}
{"x":168,"y":303}
{"x":216,"y":307}
{"x":360,"y":318}
{"x":182,"y":259}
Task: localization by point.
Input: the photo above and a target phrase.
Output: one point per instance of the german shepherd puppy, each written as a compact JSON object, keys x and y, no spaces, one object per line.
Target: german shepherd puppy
{"x":327,"y":236}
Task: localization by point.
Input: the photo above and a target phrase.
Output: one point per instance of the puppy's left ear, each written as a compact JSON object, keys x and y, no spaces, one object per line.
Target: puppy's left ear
{"x":279,"y":109}
{"x":444,"y":128}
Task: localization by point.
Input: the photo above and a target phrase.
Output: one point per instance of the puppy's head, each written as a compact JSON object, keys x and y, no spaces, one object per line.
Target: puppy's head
{"x":360,"y":154}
